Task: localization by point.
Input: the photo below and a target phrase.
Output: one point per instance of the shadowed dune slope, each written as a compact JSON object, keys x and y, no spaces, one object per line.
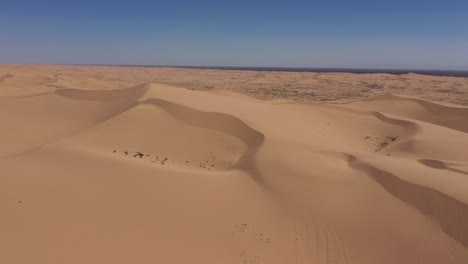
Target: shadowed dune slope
{"x":165,"y":133}
{"x":448,"y":212}
{"x":57,"y":115}
{"x":449,"y":116}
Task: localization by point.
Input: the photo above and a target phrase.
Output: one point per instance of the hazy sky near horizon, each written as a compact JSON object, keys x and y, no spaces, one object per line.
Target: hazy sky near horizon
{"x":430,"y":34}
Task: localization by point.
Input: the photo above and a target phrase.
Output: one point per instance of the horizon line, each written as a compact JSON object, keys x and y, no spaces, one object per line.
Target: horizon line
{"x":391,"y":70}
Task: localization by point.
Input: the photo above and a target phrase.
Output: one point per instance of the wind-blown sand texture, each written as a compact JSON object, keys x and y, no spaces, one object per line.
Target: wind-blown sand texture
{"x":100,"y":171}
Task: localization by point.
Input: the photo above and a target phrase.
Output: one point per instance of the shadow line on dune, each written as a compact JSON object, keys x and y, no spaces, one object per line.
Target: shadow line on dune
{"x":123,"y":99}
{"x":5,"y":76}
{"x":219,"y":122}
{"x":411,"y":127}
{"x":450,"y":214}
{"x":439,"y":165}
{"x":210,"y":120}
{"x":26,"y":96}
{"x":127,"y":94}
{"x":432,"y":109}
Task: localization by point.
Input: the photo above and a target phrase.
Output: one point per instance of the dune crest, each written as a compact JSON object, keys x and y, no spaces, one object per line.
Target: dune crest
{"x":449,"y":213}
{"x":449,"y":116}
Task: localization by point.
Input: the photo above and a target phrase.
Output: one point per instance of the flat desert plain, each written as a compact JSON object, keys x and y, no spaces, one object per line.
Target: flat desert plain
{"x":165,"y":165}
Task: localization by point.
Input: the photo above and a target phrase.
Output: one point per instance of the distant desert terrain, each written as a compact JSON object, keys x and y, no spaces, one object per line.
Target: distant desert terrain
{"x":296,"y":86}
{"x":104,"y":164}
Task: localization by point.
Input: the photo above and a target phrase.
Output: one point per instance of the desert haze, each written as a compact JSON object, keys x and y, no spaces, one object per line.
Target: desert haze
{"x":167,"y":165}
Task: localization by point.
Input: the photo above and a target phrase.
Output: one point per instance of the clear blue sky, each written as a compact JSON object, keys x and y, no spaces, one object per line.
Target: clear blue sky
{"x":295,"y":33}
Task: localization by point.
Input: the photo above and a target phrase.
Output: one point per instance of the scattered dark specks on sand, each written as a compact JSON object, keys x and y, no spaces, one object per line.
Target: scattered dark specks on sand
{"x":139,"y":154}
{"x":383,"y":145}
{"x":380,"y":143}
{"x":163,"y":160}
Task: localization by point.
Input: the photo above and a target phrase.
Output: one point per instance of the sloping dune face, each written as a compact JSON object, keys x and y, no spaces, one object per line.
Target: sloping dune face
{"x":160,"y":174}
{"x":57,"y":114}
{"x":161,"y":132}
{"x":453,"y":117}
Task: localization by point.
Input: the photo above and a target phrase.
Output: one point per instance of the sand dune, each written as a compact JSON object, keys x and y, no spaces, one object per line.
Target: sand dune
{"x":450,"y":116}
{"x":157,"y":173}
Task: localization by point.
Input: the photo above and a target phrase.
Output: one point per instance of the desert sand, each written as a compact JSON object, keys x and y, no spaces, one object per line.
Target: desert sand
{"x":161,"y":165}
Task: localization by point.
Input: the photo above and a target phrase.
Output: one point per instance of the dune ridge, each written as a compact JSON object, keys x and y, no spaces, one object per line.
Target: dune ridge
{"x":5,"y":76}
{"x":450,"y":116}
{"x":115,"y":102}
{"x":446,"y":211}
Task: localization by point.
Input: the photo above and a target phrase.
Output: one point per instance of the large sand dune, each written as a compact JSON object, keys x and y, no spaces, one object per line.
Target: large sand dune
{"x":156,"y":173}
